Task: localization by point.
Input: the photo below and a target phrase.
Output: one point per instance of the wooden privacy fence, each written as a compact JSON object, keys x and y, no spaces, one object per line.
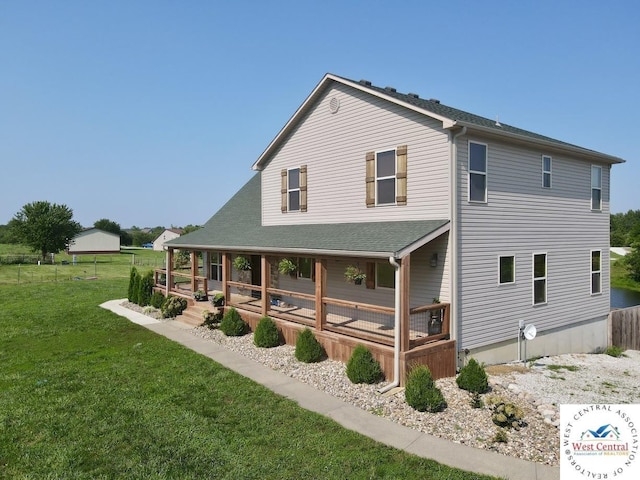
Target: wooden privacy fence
{"x":625,"y":328}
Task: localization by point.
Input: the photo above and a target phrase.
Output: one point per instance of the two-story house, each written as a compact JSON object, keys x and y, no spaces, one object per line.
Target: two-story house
{"x":465,"y":230}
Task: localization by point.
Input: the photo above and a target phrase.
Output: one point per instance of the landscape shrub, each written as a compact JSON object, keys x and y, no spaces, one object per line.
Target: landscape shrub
{"x":211,"y":319}
{"x":218,"y":300}
{"x":157,"y":299}
{"x":506,"y":415}
{"x":132,"y":294}
{"x":145,"y":289}
{"x":266,"y":334}
{"x":135,"y":295}
{"x":473,"y":378}
{"x":614,"y":351}
{"x":173,"y":306}
{"x":362,"y":367}
{"x":232,"y":324}
{"x":421,"y":392}
{"x":308,"y":349}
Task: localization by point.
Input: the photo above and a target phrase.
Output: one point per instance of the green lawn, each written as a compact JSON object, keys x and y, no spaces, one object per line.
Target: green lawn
{"x":87,"y":394}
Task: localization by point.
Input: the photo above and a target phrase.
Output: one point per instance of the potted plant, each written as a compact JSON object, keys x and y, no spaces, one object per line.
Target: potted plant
{"x":435,"y":320}
{"x":353,"y":274}
{"x":218,"y":300}
{"x":286,"y":266}
{"x":242,"y":264}
{"x":200,"y":295}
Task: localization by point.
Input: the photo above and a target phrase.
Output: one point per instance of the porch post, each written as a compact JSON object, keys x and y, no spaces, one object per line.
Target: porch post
{"x":321,"y":288}
{"x":194,"y":270}
{"x":169,"y":266}
{"x":226,"y":270}
{"x":265,"y":273}
{"x":405,"y":285}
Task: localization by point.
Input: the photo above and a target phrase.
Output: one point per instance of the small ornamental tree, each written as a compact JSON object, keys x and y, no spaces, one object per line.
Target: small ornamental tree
{"x":157,"y":299}
{"x":132,"y":294}
{"x":473,"y":377}
{"x":421,"y":391}
{"x":266,"y":334}
{"x":308,"y":349}
{"x":362,"y":367}
{"x":145,"y":289}
{"x":232,"y":324}
{"x":135,"y":295}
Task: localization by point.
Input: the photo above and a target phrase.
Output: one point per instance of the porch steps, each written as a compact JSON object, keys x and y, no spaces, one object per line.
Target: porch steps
{"x":193,"y":313}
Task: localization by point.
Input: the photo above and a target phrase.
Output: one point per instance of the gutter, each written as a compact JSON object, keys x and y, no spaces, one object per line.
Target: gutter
{"x":396,"y":341}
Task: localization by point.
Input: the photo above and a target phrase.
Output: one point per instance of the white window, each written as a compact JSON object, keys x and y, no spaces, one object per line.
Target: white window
{"x":546,"y":171}
{"x":386,"y":177}
{"x":539,"y":278}
{"x":385,"y":275}
{"x":477,"y":172}
{"x":507,"y":269}
{"x":596,"y":188}
{"x":596,"y":271}
{"x":293,"y":189}
{"x":216,"y":266}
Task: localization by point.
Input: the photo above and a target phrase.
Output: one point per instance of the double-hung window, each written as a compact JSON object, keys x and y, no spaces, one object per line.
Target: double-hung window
{"x":305,"y":267}
{"x":477,"y":172}
{"x":596,"y":271}
{"x":596,"y":187}
{"x":386,"y":177}
{"x":507,"y":273}
{"x":385,"y":275}
{"x":216,"y":266}
{"x":539,"y":278}
{"x":293,"y":189}
{"x":546,"y":171}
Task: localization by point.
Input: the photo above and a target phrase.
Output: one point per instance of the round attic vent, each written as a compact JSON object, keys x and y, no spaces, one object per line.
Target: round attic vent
{"x":334,"y":105}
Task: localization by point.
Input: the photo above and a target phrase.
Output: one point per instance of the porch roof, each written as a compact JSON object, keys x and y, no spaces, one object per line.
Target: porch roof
{"x":237,"y":226}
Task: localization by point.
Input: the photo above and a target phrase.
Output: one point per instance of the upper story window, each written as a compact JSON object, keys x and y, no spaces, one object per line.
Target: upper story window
{"x":294,"y":189}
{"x":477,"y":172}
{"x":539,"y":278}
{"x":386,"y":177}
{"x":596,"y":187}
{"x":546,"y":171}
{"x":596,"y":271}
{"x":507,"y":269}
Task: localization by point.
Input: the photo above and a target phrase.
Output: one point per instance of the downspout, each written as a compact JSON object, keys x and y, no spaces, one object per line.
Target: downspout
{"x":453,"y":232}
{"x":396,"y":341}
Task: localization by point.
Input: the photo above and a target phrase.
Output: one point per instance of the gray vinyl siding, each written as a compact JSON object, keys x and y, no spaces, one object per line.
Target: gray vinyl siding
{"x":333,"y":146}
{"x":521,"y":218}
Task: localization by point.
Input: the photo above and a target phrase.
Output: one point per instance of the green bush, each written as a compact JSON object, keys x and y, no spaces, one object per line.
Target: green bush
{"x":421,"y":392}
{"x":232,"y":324}
{"x":173,"y":306}
{"x":136,"y":288}
{"x":506,"y":415}
{"x":157,"y":299}
{"x":132,"y":294}
{"x":266,"y":334}
{"x":145,"y":289}
{"x":211,"y":319}
{"x":473,"y":378}
{"x":614,"y":351}
{"x":362,"y":367}
{"x":218,"y":300}
{"x":308,"y":349}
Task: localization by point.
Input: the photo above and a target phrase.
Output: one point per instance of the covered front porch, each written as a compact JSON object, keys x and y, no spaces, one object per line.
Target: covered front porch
{"x":341,"y":314}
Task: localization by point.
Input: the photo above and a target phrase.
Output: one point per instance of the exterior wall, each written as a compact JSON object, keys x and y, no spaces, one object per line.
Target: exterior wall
{"x":158,"y":243}
{"x":95,"y":241}
{"x":520,"y":218}
{"x":333,"y":146}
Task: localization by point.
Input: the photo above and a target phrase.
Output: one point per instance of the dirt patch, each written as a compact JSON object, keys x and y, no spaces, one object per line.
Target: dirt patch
{"x":505,"y":369}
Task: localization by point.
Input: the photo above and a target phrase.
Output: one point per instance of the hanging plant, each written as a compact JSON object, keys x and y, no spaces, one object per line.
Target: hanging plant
{"x":241,"y":263}
{"x":354,"y":274}
{"x":286,"y":266}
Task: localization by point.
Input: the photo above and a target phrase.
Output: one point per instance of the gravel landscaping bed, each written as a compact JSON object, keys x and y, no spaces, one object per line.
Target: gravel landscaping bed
{"x":538,"y":389}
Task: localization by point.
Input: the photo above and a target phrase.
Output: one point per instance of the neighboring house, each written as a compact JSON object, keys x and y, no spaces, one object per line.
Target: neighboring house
{"x":94,"y":241}
{"x":168,"y":234}
{"x":503,"y":226}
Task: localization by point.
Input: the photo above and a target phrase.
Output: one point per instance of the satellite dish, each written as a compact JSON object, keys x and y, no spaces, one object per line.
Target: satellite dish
{"x":529,"y":332}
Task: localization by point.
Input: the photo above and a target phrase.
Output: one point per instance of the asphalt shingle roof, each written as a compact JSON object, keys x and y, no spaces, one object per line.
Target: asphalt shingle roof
{"x":237,"y":226}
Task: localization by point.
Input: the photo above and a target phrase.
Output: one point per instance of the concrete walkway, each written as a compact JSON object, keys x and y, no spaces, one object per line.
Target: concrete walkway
{"x":353,"y":418}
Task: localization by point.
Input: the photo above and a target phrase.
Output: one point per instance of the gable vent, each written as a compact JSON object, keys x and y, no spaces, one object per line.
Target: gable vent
{"x":413,"y":95}
{"x":365,"y":82}
{"x":434,"y":100}
{"x":390,"y":89}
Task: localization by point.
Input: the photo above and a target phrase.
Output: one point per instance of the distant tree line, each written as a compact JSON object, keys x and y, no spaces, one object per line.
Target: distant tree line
{"x":625,"y":232}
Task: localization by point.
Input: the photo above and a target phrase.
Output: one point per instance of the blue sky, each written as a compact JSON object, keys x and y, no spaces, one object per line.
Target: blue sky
{"x":152,"y":112}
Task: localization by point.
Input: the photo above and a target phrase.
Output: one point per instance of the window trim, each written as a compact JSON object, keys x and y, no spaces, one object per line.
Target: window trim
{"x":290,"y":190}
{"x":547,"y":172}
{"x":377,"y":284}
{"x":388,"y":177}
{"x":534,"y":278}
{"x":597,"y":168}
{"x":500,"y":257}
{"x":592,"y":271}
{"x":477,"y":172}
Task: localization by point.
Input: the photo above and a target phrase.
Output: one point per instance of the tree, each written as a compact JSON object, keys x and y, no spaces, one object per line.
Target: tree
{"x":45,"y":227}
{"x":114,"y":227}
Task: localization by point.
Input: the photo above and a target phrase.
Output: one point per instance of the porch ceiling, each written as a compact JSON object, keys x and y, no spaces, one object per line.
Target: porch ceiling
{"x":237,"y":227}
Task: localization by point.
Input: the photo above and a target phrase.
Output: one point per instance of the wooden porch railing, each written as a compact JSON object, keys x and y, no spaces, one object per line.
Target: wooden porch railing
{"x":432,"y":319}
{"x":194,"y":283}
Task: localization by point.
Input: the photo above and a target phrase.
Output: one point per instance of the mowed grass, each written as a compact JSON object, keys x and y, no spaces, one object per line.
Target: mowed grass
{"x":87,"y":394}
{"x":108,"y":266}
